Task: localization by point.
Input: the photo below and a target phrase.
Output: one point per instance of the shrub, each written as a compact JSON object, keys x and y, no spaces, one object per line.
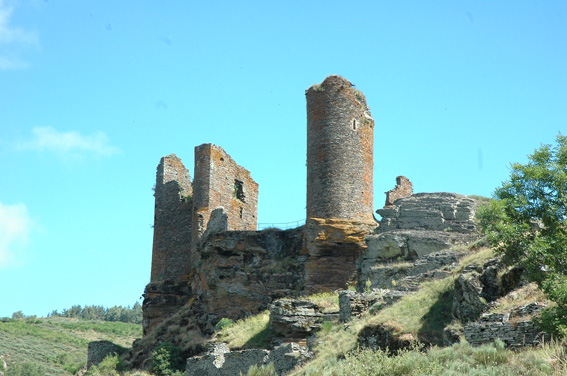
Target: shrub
{"x":110,"y":366}
{"x":224,"y":323}
{"x":25,"y":369}
{"x":167,"y":359}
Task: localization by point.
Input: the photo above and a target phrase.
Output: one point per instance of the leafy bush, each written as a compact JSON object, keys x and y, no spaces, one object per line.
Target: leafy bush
{"x":167,"y":360}
{"x":224,"y":323}
{"x":110,"y":366}
{"x":528,"y":223}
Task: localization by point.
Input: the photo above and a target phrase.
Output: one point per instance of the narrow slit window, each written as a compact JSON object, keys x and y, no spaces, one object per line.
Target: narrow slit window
{"x":354,"y":124}
{"x":241,"y":211}
{"x":239,"y":190}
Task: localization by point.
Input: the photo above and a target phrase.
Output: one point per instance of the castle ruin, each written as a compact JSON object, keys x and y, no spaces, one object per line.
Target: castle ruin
{"x":209,"y":261}
{"x":202,"y":225}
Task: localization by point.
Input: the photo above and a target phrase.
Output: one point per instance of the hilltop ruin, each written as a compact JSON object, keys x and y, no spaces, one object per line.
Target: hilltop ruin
{"x":209,"y":261}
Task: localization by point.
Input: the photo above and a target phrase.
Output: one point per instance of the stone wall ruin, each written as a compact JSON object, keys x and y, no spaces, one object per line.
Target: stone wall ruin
{"x":172,"y":220}
{"x":403,"y":188}
{"x":182,"y":213}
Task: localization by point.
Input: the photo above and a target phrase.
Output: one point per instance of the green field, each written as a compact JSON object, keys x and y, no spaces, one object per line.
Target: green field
{"x":57,"y":344}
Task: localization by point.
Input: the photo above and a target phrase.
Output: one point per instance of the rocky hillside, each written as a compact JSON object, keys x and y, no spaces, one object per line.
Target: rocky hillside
{"x":423,"y":278}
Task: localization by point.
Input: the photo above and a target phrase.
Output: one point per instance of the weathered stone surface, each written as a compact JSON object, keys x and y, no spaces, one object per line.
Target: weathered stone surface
{"x":223,"y":362}
{"x":218,"y":222}
{"x":162,"y":300}
{"x":382,"y":337}
{"x":512,"y":279}
{"x":241,"y":273}
{"x":441,"y":211}
{"x":221,"y":182}
{"x":405,"y":276}
{"x":172,"y":221}
{"x":467,"y":301}
{"x":98,"y":350}
{"x":353,"y":304}
{"x":340,"y":148}
{"x":451,"y":336}
{"x":475,"y":288}
{"x":406,"y":244}
{"x":295,"y":319}
{"x":333,"y":247}
{"x":515,"y":328}
{"x":490,"y":281}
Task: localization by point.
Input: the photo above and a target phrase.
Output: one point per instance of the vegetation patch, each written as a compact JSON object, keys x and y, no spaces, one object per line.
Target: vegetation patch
{"x":57,"y":346}
{"x":252,"y":332}
{"x":328,"y":301}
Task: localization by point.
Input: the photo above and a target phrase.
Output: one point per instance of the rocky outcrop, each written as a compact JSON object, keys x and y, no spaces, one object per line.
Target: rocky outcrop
{"x":221,"y":361}
{"x":515,"y":328}
{"x":333,"y":246}
{"x":384,"y":338}
{"x":440,"y":211}
{"x":162,"y":300}
{"x":295,"y":319}
{"x":468,"y":303}
{"x":352,"y":304}
{"x":408,"y":246}
{"x":241,"y":273}
{"x":475,"y":288}
{"x":405,"y":276}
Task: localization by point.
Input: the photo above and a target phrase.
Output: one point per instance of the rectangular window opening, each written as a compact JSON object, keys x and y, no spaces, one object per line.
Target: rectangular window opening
{"x":239,"y":190}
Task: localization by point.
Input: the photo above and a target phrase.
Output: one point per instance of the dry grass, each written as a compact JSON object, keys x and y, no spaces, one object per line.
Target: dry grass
{"x":248,"y":333}
{"x":328,"y":301}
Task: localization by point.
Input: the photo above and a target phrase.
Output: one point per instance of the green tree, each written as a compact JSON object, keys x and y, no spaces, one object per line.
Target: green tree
{"x":18,"y":315}
{"x":528,"y":223}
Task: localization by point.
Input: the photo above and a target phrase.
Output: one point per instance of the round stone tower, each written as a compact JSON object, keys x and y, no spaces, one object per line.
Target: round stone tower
{"x":340,"y":143}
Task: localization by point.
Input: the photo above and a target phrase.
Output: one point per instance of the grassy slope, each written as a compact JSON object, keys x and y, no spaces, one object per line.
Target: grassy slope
{"x":419,"y":315}
{"x":59,"y":345}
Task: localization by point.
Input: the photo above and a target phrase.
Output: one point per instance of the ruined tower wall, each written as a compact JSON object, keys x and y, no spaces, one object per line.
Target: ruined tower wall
{"x":172,"y":221}
{"x":220,"y":181}
{"x":340,"y":142}
{"x":403,"y":188}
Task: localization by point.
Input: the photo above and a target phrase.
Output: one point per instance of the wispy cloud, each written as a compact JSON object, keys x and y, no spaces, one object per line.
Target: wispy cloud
{"x":15,"y":226}
{"x":13,"y":40}
{"x":69,"y":144}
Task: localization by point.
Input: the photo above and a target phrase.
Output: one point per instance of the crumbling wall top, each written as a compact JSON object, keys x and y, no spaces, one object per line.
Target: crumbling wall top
{"x":403,"y":188}
{"x":221,"y":182}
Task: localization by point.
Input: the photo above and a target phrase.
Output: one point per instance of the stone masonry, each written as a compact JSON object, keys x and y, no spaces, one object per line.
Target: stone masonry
{"x":172,"y":221}
{"x":221,"y":182}
{"x":182,"y":213}
{"x":340,"y":149}
{"x":340,"y":152}
{"x":514,"y":328}
{"x":403,"y":188}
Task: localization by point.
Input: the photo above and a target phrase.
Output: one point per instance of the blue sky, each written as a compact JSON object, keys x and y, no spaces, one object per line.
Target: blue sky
{"x":93,"y":93}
